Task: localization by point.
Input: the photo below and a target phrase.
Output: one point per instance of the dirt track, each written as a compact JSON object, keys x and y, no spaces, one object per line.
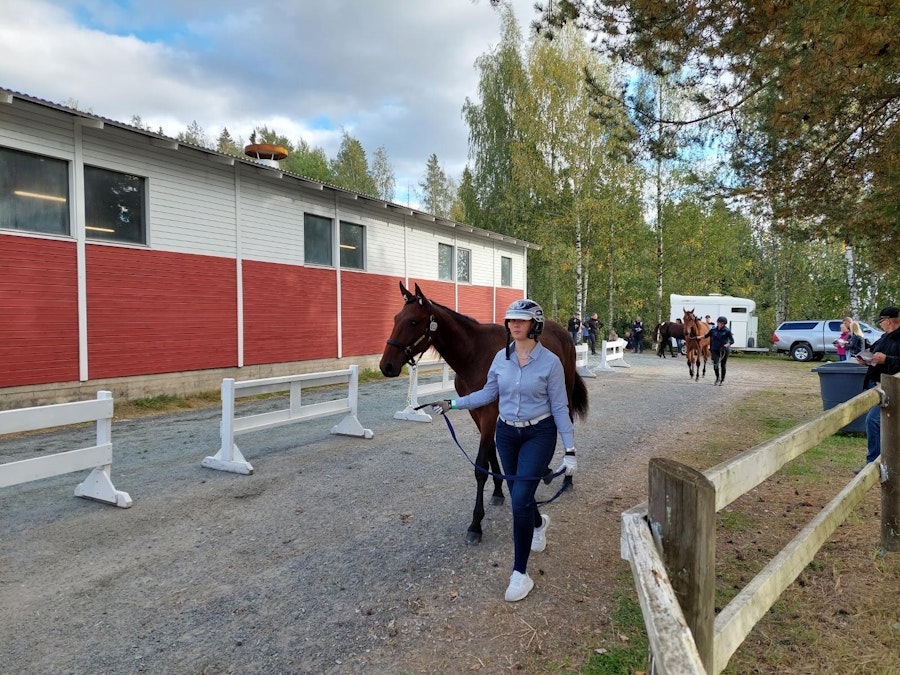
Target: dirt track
{"x":339,"y":554}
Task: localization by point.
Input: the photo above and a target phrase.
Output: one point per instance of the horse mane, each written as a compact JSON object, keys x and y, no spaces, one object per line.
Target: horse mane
{"x":452,"y":311}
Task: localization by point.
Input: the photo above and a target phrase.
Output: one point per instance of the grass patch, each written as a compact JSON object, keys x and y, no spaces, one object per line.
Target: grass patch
{"x":626,"y":645}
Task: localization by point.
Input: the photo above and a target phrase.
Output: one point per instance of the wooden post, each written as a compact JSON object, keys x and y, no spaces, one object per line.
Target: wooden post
{"x":682,"y":507}
{"x":890,"y":465}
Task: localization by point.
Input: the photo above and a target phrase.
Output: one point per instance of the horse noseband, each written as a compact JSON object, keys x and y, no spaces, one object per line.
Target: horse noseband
{"x":408,"y":349}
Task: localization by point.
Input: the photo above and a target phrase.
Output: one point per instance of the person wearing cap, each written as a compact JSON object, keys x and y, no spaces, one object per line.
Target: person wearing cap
{"x":530,"y":383}
{"x":885,"y":360}
{"x":720,"y":341}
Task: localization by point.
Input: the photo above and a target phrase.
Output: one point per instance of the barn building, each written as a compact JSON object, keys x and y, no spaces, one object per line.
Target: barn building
{"x":134,"y":262}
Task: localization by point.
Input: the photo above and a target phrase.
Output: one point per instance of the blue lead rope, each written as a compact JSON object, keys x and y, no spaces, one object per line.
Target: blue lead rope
{"x":546,"y":478}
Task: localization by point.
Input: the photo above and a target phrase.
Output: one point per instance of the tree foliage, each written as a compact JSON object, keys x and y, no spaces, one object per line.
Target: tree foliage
{"x":383,"y":174}
{"x":437,"y":189}
{"x":350,"y":167}
{"x":805,"y":94}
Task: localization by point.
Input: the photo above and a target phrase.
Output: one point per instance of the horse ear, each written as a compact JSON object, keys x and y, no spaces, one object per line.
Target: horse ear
{"x":405,"y":292}
{"x":419,"y":294}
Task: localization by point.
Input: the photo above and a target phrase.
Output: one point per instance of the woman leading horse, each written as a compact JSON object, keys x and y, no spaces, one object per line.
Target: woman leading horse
{"x":469,"y":348}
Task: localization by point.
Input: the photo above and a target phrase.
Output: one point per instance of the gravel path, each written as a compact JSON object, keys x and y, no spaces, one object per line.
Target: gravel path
{"x":340,"y":555}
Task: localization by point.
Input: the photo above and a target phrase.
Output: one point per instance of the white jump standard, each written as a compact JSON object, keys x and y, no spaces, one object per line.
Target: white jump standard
{"x":229,"y":457}
{"x":98,"y":485}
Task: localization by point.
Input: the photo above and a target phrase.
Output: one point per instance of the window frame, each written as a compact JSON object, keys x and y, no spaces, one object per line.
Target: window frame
{"x":308,"y":220}
{"x":45,"y":199}
{"x":105,"y":236}
{"x":446,"y":268}
{"x":506,"y":261}
{"x":343,"y":244}
{"x":460,"y":254}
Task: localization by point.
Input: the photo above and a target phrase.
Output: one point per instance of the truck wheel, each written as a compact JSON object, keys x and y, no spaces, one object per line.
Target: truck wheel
{"x":801,"y":352}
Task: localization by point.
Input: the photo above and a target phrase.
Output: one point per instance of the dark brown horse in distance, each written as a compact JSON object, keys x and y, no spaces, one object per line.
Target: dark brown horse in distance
{"x":663,"y":333}
{"x":469,"y":347}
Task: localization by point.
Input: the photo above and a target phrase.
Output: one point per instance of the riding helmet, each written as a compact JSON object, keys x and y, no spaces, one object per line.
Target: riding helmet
{"x":722,"y":319}
{"x":527,"y":310}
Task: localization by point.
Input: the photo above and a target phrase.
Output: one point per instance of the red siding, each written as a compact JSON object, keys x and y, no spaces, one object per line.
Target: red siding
{"x":289,"y":313}
{"x":159,"y":312}
{"x":441,"y":292}
{"x":505,"y":297}
{"x":369,"y":303}
{"x":38,"y":311}
{"x":477,"y":302}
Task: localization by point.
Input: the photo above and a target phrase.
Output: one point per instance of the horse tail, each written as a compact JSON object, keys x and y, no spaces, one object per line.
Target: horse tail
{"x":579,"y":399}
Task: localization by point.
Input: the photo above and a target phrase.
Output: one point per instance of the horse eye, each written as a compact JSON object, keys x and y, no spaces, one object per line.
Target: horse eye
{"x":412,"y":322}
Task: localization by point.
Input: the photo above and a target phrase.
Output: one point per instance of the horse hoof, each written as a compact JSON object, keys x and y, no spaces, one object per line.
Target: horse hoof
{"x":497,"y":501}
{"x":473,"y":538}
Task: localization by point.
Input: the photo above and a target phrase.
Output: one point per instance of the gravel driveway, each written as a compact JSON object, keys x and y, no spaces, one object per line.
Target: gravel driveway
{"x":339,"y":555}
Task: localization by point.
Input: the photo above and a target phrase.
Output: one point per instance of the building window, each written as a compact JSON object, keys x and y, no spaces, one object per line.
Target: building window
{"x":445,"y":262}
{"x":353,"y":246}
{"x":114,"y":206}
{"x":463,"y":265}
{"x":34,"y":193}
{"x":317,"y":239}
{"x":505,"y":271}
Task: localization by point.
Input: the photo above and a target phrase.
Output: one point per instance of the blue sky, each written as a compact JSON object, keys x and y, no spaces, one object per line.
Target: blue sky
{"x":393,"y":73}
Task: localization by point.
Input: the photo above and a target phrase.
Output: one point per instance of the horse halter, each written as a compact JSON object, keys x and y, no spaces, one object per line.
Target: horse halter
{"x":408,"y":349}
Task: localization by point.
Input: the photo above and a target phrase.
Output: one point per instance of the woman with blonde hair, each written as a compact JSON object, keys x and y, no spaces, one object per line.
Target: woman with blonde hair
{"x":856,"y":341}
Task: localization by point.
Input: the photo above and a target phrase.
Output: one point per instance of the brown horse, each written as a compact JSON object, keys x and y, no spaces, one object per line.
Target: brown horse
{"x":469,"y":347}
{"x":696,"y":342}
{"x":663,"y":333}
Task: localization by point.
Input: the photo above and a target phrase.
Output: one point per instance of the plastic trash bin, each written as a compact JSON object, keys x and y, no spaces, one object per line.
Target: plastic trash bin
{"x":840,"y":381}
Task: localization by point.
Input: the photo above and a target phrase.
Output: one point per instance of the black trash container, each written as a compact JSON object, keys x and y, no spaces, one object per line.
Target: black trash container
{"x":840,"y":381}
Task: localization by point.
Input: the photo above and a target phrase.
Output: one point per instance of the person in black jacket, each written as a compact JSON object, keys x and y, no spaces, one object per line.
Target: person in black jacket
{"x":885,"y":360}
{"x":593,"y":325}
{"x":720,"y":341}
{"x":574,"y":327}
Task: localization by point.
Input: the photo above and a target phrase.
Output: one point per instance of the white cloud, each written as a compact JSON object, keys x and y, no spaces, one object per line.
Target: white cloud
{"x":391,"y":72}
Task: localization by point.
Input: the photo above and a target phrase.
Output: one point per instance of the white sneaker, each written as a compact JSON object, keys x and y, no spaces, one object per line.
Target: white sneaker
{"x":520,"y":585}
{"x":539,"y":538}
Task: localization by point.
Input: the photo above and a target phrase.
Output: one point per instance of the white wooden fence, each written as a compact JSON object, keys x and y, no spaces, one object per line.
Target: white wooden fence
{"x":98,"y":485}
{"x":447,"y":383}
{"x":612,"y":354}
{"x":686,"y":636}
{"x":229,"y":456}
{"x":581,"y":361}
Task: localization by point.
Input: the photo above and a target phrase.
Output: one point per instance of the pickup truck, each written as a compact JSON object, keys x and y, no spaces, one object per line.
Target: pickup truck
{"x":812,"y":340}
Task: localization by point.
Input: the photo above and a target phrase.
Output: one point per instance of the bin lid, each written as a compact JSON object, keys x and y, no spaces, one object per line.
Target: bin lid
{"x":840,"y":367}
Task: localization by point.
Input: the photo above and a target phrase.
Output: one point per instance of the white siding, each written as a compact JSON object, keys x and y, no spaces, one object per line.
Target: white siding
{"x":38,"y":130}
{"x":190,"y":199}
{"x":271,"y":219}
{"x":193,"y":205}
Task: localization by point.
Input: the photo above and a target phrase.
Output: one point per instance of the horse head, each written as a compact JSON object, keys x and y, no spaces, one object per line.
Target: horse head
{"x":411,"y":335}
{"x":691,"y":323}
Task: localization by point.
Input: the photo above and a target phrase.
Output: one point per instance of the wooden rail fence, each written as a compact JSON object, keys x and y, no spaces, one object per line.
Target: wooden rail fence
{"x":670,"y":541}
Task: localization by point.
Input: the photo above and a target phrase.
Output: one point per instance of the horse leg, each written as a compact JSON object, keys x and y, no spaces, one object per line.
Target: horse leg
{"x":486,"y":451}
{"x":497,"y":497}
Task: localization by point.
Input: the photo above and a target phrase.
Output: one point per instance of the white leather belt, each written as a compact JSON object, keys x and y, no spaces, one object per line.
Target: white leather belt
{"x":526,"y":423}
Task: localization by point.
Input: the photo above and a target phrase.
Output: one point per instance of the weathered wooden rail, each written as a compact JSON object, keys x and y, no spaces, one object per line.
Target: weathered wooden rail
{"x":670,"y":542}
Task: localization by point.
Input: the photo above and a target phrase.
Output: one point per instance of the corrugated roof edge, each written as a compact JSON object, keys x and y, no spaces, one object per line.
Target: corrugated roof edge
{"x":8,"y":96}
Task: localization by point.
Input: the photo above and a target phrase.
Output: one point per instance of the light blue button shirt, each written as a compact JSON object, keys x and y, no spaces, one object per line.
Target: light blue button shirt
{"x":526,"y":392}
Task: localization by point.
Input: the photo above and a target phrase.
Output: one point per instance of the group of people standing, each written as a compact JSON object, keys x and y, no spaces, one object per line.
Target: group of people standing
{"x":587,"y":329}
{"x":851,"y":341}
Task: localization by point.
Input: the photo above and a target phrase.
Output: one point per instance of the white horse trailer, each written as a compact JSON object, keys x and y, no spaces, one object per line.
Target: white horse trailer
{"x":738,"y":311}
